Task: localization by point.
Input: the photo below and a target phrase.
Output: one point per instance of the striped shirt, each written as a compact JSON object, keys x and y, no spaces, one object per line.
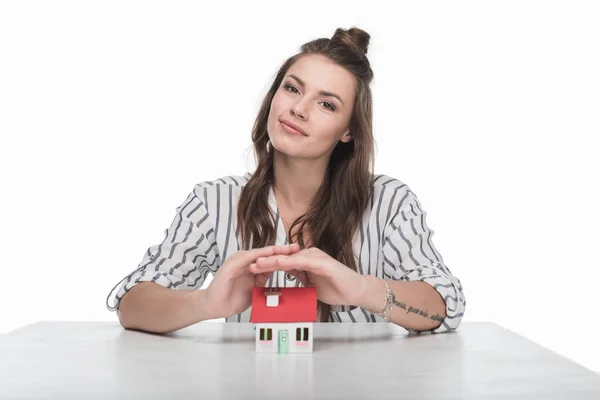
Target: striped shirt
{"x":393,"y":242}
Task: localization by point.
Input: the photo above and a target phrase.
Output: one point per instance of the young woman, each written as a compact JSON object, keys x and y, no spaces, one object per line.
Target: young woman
{"x":312,"y":213}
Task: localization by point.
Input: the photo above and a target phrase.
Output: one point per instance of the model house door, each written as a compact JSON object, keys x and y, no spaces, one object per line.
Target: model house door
{"x":284,"y":341}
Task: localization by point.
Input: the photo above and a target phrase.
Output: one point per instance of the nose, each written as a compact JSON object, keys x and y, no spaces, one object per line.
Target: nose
{"x":299,"y":109}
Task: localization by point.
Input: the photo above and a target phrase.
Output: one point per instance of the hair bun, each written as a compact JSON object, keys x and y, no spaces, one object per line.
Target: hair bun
{"x":355,"y":38}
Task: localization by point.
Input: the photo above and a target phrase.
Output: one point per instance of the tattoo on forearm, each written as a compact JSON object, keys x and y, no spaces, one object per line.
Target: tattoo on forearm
{"x":422,"y":313}
{"x":401,"y":305}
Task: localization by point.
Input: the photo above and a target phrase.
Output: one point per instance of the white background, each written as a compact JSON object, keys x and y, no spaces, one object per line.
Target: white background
{"x":110,"y":113}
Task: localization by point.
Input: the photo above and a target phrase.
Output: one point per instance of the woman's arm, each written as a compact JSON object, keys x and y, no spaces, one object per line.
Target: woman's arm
{"x":429,"y":296}
{"x":161,"y":294}
{"x":154,"y":308}
{"x":418,"y":306}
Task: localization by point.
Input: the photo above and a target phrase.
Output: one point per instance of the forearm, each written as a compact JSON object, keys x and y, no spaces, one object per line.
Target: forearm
{"x":419,"y":306}
{"x":154,"y":308}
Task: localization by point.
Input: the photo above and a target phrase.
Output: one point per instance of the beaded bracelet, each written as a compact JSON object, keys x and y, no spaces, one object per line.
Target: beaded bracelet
{"x":389,"y":301}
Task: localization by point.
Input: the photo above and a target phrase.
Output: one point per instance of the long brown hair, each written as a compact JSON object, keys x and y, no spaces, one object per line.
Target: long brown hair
{"x":334,"y":215}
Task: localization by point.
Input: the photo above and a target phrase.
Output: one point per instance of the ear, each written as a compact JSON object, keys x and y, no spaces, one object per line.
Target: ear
{"x":346,"y":138}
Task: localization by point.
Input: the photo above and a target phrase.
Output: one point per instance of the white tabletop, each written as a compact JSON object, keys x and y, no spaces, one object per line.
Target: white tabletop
{"x":101,"y":360}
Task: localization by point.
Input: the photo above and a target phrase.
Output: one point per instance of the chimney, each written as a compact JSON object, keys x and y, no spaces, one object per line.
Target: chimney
{"x":272,"y":295}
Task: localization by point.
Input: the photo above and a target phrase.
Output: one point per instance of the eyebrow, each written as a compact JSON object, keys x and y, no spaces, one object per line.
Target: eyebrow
{"x":322,"y":92}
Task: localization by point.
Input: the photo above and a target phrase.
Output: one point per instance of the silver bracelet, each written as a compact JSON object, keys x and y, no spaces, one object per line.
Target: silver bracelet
{"x":389,"y":301}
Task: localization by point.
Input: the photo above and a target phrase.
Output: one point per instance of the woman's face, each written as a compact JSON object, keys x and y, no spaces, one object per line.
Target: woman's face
{"x":307,"y":99}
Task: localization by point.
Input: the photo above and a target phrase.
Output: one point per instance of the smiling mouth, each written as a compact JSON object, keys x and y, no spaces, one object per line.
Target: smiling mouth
{"x":291,"y":129}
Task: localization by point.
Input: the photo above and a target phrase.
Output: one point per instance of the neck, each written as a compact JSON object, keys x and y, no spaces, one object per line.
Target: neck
{"x":297,"y":180}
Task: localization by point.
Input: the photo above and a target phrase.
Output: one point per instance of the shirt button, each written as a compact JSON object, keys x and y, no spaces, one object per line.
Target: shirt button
{"x":290,"y":277}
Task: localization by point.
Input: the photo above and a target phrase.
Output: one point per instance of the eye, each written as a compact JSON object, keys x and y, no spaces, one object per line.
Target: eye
{"x":328,"y":105}
{"x":288,"y":86}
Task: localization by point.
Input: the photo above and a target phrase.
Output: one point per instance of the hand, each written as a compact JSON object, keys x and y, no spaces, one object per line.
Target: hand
{"x":336,"y":284}
{"x":230,"y":291}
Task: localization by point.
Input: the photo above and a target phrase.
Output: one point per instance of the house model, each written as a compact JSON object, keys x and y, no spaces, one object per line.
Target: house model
{"x":283,"y":319}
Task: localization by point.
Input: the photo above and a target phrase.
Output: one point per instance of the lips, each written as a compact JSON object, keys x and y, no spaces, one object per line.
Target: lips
{"x":294,"y":126}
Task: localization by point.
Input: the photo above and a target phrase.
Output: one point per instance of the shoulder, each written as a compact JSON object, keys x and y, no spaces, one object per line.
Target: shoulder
{"x":390,"y":192}
{"x":238,"y":181}
{"x":211,"y":189}
{"x":388,"y":185}
{"x":228,"y":180}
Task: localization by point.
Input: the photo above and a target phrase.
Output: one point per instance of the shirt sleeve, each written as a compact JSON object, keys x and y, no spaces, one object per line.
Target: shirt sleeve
{"x":183,"y":259}
{"x":410,"y":255}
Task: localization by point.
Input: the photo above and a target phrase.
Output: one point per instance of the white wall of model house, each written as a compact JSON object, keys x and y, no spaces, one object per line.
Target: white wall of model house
{"x":284,"y":337}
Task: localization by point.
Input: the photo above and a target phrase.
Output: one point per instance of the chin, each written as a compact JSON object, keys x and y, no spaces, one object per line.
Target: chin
{"x":285,"y":148}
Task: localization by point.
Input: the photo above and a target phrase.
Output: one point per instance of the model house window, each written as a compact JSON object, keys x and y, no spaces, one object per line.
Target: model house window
{"x":266,"y":334}
{"x":301,"y":334}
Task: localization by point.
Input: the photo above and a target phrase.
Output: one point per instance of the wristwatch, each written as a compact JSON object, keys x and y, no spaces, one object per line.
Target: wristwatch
{"x":389,"y":301}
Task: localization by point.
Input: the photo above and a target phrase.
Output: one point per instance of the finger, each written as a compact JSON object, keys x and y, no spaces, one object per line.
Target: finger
{"x":290,"y":249}
{"x":256,"y":270}
{"x":271,"y":262}
{"x":286,"y":250}
{"x":287,"y":263}
{"x":251,"y":256}
{"x":241,"y":266}
{"x":272,"y":250}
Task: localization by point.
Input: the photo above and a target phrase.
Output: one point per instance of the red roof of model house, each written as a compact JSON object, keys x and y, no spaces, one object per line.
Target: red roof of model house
{"x":295,"y":304}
